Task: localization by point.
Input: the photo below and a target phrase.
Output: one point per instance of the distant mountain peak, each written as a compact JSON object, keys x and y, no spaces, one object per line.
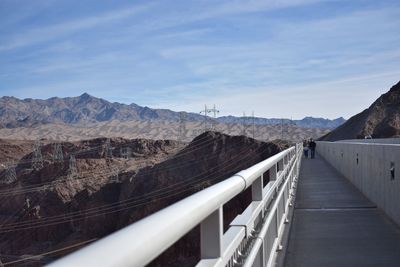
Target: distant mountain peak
{"x":86,"y":96}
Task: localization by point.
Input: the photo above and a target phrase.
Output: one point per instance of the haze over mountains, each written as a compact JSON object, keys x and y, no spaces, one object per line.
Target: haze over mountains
{"x":84,"y":109}
{"x":307,"y":122}
{"x":380,"y":120}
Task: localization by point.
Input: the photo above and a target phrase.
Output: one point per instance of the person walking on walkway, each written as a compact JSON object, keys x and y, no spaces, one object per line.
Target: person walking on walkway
{"x":305,"y":148}
{"x":312,"y":146}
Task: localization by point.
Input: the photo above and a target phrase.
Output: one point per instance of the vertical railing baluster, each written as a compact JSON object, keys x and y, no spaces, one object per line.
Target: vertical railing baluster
{"x":257,"y":189}
{"x":211,"y":232}
{"x":273,"y":173}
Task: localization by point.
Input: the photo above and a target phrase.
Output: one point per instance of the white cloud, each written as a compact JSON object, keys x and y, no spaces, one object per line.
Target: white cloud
{"x":49,"y":32}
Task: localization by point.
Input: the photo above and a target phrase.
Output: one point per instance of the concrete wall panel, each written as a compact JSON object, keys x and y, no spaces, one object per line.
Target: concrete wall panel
{"x":371,"y":173}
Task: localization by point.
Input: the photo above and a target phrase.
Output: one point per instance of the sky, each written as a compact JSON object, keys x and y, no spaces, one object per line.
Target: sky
{"x":278,"y":58}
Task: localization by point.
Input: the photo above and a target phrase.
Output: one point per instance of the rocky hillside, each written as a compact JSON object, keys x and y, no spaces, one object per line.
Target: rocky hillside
{"x":380,"y":120}
{"x":66,"y":202}
{"x":63,"y":199}
{"x":85,"y":109}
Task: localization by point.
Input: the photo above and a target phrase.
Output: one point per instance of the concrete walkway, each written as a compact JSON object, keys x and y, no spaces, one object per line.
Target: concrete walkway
{"x":335,"y":225}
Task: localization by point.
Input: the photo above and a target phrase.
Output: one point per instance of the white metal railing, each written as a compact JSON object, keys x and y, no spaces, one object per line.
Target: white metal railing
{"x":251,"y":240}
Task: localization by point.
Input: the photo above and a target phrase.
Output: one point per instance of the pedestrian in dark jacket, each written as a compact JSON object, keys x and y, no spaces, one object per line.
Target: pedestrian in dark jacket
{"x":312,"y":146}
{"x":305,"y":148}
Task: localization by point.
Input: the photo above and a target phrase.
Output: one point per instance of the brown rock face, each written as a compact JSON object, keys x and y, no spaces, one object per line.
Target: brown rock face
{"x":380,"y":120}
{"x":49,"y":208}
{"x":98,"y":201}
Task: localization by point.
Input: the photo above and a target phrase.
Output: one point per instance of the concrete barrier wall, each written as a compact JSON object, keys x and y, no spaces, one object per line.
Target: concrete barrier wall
{"x":368,"y":166}
{"x":375,"y":141}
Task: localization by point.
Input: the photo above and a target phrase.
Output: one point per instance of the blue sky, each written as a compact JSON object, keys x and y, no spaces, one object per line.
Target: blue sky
{"x":278,"y":58}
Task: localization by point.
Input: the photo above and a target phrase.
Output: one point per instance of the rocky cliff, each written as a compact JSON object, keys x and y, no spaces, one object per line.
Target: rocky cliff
{"x":53,"y":207}
{"x":380,"y":120}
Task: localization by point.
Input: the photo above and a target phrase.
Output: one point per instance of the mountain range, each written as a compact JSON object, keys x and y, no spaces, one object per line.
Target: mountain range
{"x":380,"y":120}
{"x":83,"y":109}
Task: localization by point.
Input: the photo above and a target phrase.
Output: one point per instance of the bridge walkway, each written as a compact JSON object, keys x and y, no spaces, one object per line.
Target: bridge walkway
{"x":334,"y":224}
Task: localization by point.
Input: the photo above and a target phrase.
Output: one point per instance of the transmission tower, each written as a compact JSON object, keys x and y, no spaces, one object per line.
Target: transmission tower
{"x":205,"y":117}
{"x":57,"y":153}
{"x":108,"y":150}
{"x":285,"y":129}
{"x":27,"y":204}
{"x":196,"y":132}
{"x":264,"y":134}
{"x":126,"y":152}
{"x":289,"y":124}
{"x":214,"y":111}
{"x":182,"y":127}
{"x":73,"y":170}
{"x":244,"y":124}
{"x":37,"y":160}
{"x":212,"y":123}
{"x":253,"y":130}
{"x":114,"y":174}
{"x":11,"y":174}
{"x":229,"y":128}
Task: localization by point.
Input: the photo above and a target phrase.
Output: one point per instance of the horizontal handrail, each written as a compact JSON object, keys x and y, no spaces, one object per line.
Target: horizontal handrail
{"x":141,"y":242}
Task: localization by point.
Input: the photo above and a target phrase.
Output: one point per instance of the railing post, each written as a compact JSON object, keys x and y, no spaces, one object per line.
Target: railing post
{"x":272,"y":173}
{"x":211,"y":232}
{"x":281,"y":165}
{"x":257,"y":189}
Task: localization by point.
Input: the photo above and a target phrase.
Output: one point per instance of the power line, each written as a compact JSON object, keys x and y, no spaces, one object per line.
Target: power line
{"x":49,"y":252}
{"x":173,"y":188}
{"x":167,"y":196}
{"x":101,"y":149}
{"x":106,"y":208}
{"x":198,"y":144}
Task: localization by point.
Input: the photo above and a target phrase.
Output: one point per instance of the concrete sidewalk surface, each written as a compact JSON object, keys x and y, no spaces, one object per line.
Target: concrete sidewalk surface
{"x":334,"y":224}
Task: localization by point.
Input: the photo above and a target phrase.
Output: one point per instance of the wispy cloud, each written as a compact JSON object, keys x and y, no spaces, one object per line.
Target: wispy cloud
{"x":49,"y":32}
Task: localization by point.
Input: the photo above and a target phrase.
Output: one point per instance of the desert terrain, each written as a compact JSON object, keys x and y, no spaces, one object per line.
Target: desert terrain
{"x":156,"y":130}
